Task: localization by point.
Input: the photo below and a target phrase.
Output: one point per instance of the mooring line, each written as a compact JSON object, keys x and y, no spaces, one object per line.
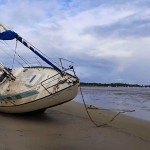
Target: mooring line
{"x":103,"y":124}
{"x":97,"y":125}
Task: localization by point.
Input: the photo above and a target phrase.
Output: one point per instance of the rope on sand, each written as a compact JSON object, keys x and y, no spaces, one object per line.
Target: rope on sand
{"x":97,"y":125}
{"x":93,"y":107}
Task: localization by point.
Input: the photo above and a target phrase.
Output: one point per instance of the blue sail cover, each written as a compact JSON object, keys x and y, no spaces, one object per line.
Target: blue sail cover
{"x":8,"y":35}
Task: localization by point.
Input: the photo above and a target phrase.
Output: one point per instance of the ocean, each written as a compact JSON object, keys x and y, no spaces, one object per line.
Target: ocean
{"x":119,"y":99}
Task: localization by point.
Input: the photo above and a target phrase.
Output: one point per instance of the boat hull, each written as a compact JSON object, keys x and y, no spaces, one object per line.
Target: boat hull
{"x":58,"y":98}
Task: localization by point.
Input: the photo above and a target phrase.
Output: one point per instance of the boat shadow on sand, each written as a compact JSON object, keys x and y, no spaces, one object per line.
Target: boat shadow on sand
{"x":49,"y":116}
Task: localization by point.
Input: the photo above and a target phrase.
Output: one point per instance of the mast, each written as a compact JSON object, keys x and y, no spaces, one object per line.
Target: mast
{"x":9,"y":35}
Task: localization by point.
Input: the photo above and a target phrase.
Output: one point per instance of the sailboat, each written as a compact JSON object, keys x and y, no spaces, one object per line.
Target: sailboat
{"x":35,"y":88}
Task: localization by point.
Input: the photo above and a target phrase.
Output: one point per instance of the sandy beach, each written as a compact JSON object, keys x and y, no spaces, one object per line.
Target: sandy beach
{"x":68,"y":127}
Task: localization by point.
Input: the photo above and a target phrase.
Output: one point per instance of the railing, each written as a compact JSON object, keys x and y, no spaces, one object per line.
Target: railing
{"x":58,"y":79}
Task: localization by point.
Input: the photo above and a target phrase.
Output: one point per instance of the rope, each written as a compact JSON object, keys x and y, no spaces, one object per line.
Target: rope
{"x":124,"y":111}
{"x":97,"y":125}
{"x":93,"y":107}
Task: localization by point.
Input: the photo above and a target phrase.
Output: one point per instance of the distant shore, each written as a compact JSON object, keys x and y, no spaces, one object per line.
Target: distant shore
{"x":113,"y":85}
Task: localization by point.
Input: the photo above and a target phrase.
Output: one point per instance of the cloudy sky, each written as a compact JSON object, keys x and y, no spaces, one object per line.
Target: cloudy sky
{"x":108,"y":40}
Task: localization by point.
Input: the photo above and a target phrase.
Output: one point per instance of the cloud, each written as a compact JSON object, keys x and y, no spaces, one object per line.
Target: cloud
{"x":136,"y":25}
{"x":104,"y":38}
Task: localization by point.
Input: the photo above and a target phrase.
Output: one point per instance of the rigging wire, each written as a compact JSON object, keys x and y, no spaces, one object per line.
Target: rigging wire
{"x":11,"y":56}
{"x":15,"y":53}
{"x":25,"y":61}
{"x":38,"y":61}
{"x":41,"y":52}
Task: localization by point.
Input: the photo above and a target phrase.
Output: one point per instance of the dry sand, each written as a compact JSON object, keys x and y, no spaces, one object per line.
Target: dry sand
{"x":67,"y":127}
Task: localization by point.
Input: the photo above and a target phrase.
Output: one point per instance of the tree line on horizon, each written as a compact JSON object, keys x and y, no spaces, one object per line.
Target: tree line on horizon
{"x":113,"y":85}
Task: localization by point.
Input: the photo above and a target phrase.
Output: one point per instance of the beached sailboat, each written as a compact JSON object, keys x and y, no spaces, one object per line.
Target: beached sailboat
{"x":30,"y":89}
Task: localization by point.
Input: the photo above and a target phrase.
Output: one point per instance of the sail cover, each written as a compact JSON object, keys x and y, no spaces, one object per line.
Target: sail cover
{"x":8,"y":35}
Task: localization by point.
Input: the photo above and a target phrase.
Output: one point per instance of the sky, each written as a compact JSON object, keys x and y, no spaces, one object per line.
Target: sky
{"x":108,"y":40}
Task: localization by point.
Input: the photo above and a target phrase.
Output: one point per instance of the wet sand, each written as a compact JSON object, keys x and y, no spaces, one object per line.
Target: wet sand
{"x":68,"y":127}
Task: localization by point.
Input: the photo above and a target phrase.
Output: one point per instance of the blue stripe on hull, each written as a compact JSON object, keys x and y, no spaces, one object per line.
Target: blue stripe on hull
{"x":18,"y":96}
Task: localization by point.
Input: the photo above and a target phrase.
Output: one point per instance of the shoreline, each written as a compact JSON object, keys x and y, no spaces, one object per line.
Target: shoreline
{"x":93,"y":84}
{"x":68,"y":127}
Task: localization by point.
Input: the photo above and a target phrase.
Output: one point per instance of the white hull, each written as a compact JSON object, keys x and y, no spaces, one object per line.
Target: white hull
{"x":46,"y":102}
{"x":29,"y":93}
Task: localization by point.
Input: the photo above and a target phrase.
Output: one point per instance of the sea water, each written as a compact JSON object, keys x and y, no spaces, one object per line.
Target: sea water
{"x":119,"y":99}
